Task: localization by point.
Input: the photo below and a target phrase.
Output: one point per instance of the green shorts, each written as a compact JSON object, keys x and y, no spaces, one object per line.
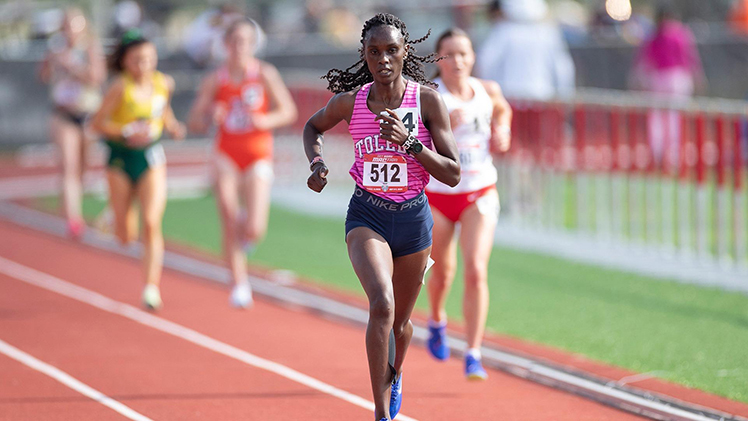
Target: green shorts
{"x":135,"y":162}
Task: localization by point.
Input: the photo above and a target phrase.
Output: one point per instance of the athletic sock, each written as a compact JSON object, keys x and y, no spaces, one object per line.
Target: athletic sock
{"x":473,"y":352}
{"x":437,"y":325}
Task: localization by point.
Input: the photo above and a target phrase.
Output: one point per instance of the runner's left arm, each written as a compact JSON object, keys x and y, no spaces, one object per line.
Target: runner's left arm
{"x":501,"y":119}
{"x":283,"y":109}
{"x":174,"y":127}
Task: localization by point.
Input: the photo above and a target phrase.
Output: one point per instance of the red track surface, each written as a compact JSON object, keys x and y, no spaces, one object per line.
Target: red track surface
{"x":167,"y":378}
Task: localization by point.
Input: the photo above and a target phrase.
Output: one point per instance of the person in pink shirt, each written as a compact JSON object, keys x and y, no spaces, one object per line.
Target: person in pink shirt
{"x":401,"y":136}
{"x":668,"y":65}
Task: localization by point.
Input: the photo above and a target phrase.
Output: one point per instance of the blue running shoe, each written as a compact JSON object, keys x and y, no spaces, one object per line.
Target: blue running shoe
{"x":474,"y":369}
{"x":437,"y":343}
{"x":396,"y":396}
{"x":384,"y":419}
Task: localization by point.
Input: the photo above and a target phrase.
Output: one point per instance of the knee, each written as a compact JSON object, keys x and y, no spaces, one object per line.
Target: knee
{"x":442,"y":274}
{"x":475,"y":276}
{"x":255,"y":234}
{"x":229,"y":219}
{"x":402,"y":327}
{"x":382,"y":309}
{"x":151,"y":228}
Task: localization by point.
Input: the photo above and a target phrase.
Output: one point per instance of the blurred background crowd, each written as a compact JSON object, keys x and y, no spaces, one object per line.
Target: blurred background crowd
{"x":602,"y":35}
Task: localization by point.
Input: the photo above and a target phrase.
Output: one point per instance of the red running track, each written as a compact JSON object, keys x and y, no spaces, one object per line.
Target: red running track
{"x":164,"y":377}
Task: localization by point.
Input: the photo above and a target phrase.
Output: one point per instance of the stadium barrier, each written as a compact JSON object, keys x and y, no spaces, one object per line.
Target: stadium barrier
{"x":645,"y":172}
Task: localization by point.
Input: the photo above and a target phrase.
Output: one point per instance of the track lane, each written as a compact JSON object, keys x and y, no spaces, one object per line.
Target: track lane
{"x":28,"y":395}
{"x":156,"y":374}
{"x":327,"y":350}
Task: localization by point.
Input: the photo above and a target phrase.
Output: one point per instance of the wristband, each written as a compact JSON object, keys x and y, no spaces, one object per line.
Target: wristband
{"x":314,"y":161}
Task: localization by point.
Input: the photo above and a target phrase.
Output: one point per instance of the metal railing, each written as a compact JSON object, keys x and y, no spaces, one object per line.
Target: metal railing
{"x":660,"y":175}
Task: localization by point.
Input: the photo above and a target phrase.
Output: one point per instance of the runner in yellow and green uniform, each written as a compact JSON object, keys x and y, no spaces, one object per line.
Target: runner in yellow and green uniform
{"x":134,"y":112}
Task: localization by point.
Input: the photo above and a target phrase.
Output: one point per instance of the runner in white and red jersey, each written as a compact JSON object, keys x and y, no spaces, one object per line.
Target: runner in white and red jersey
{"x":401,"y":136}
{"x":481,"y":119}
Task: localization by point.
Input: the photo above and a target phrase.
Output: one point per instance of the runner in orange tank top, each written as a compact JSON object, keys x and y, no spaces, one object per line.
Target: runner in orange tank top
{"x":237,"y":137}
{"x":245,"y":99}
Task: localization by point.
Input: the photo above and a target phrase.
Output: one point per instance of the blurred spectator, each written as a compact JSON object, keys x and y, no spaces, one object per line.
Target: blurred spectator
{"x":667,"y":65}
{"x":45,"y":23}
{"x":203,"y":38}
{"x":129,"y":14}
{"x":738,"y":17}
{"x":524,"y":53}
{"x":342,"y":27}
{"x":314,"y":12}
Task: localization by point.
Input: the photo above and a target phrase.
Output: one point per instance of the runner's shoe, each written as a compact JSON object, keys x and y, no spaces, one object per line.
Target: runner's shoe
{"x":474,"y":368}
{"x":437,"y":343}
{"x":152,"y":297}
{"x":241,"y":295}
{"x":396,"y":395}
{"x":76,"y":228}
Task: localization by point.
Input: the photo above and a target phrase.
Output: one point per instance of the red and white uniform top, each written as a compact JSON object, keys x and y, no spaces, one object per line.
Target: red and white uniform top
{"x":473,"y":137}
{"x":237,"y":136}
{"x":383,"y":168}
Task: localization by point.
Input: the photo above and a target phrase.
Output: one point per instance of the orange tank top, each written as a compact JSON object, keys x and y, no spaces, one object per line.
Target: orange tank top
{"x":236,"y":136}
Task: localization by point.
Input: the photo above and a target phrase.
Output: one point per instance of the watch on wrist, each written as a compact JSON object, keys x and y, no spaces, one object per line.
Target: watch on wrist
{"x":413,"y":146}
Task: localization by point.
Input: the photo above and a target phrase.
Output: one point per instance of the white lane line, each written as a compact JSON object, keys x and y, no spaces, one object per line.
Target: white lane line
{"x":54,"y":284}
{"x":69,"y":381}
{"x":519,"y":366}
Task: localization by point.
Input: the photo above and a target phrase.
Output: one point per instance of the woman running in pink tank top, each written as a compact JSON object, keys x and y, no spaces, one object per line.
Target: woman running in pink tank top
{"x":401,"y":135}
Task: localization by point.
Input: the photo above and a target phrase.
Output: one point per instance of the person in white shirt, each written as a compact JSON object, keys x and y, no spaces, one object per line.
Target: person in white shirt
{"x":525,"y":54}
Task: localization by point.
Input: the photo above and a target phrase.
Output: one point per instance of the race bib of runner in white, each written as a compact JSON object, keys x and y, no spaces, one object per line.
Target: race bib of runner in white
{"x":385,"y":173}
{"x":472,"y":159}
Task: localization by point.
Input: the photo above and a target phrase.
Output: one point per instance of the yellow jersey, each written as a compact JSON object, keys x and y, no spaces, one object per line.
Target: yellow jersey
{"x":146,"y":110}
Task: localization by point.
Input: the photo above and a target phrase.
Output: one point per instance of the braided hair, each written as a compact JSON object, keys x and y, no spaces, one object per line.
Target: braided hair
{"x":358,"y":74}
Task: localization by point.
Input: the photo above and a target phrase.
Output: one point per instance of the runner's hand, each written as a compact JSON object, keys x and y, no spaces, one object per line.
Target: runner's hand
{"x":219,"y":113}
{"x":259,"y":121}
{"x":318,"y":180}
{"x":391,"y":128}
{"x":137,"y":134}
{"x":177,"y":131}
{"x":501,"y":138}
{"x":456,"y":117}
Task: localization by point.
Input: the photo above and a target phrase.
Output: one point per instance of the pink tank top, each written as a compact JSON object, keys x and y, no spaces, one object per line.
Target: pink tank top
{"x":383,"y":168}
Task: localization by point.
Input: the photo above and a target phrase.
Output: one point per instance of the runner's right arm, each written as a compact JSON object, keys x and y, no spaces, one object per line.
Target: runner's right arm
{"x":339,"y":108}
{"x":101,"y":122}
{"x":197,"y":121}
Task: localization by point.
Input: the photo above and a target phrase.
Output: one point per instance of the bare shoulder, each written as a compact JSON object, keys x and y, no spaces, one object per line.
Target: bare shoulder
{"x":170,"y":83}
{"x":267,"y":70}
{"x":343,"y":102}
{"x":431,"y":102}
{"x":490,"y":86}
{"x":429,"y":94}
